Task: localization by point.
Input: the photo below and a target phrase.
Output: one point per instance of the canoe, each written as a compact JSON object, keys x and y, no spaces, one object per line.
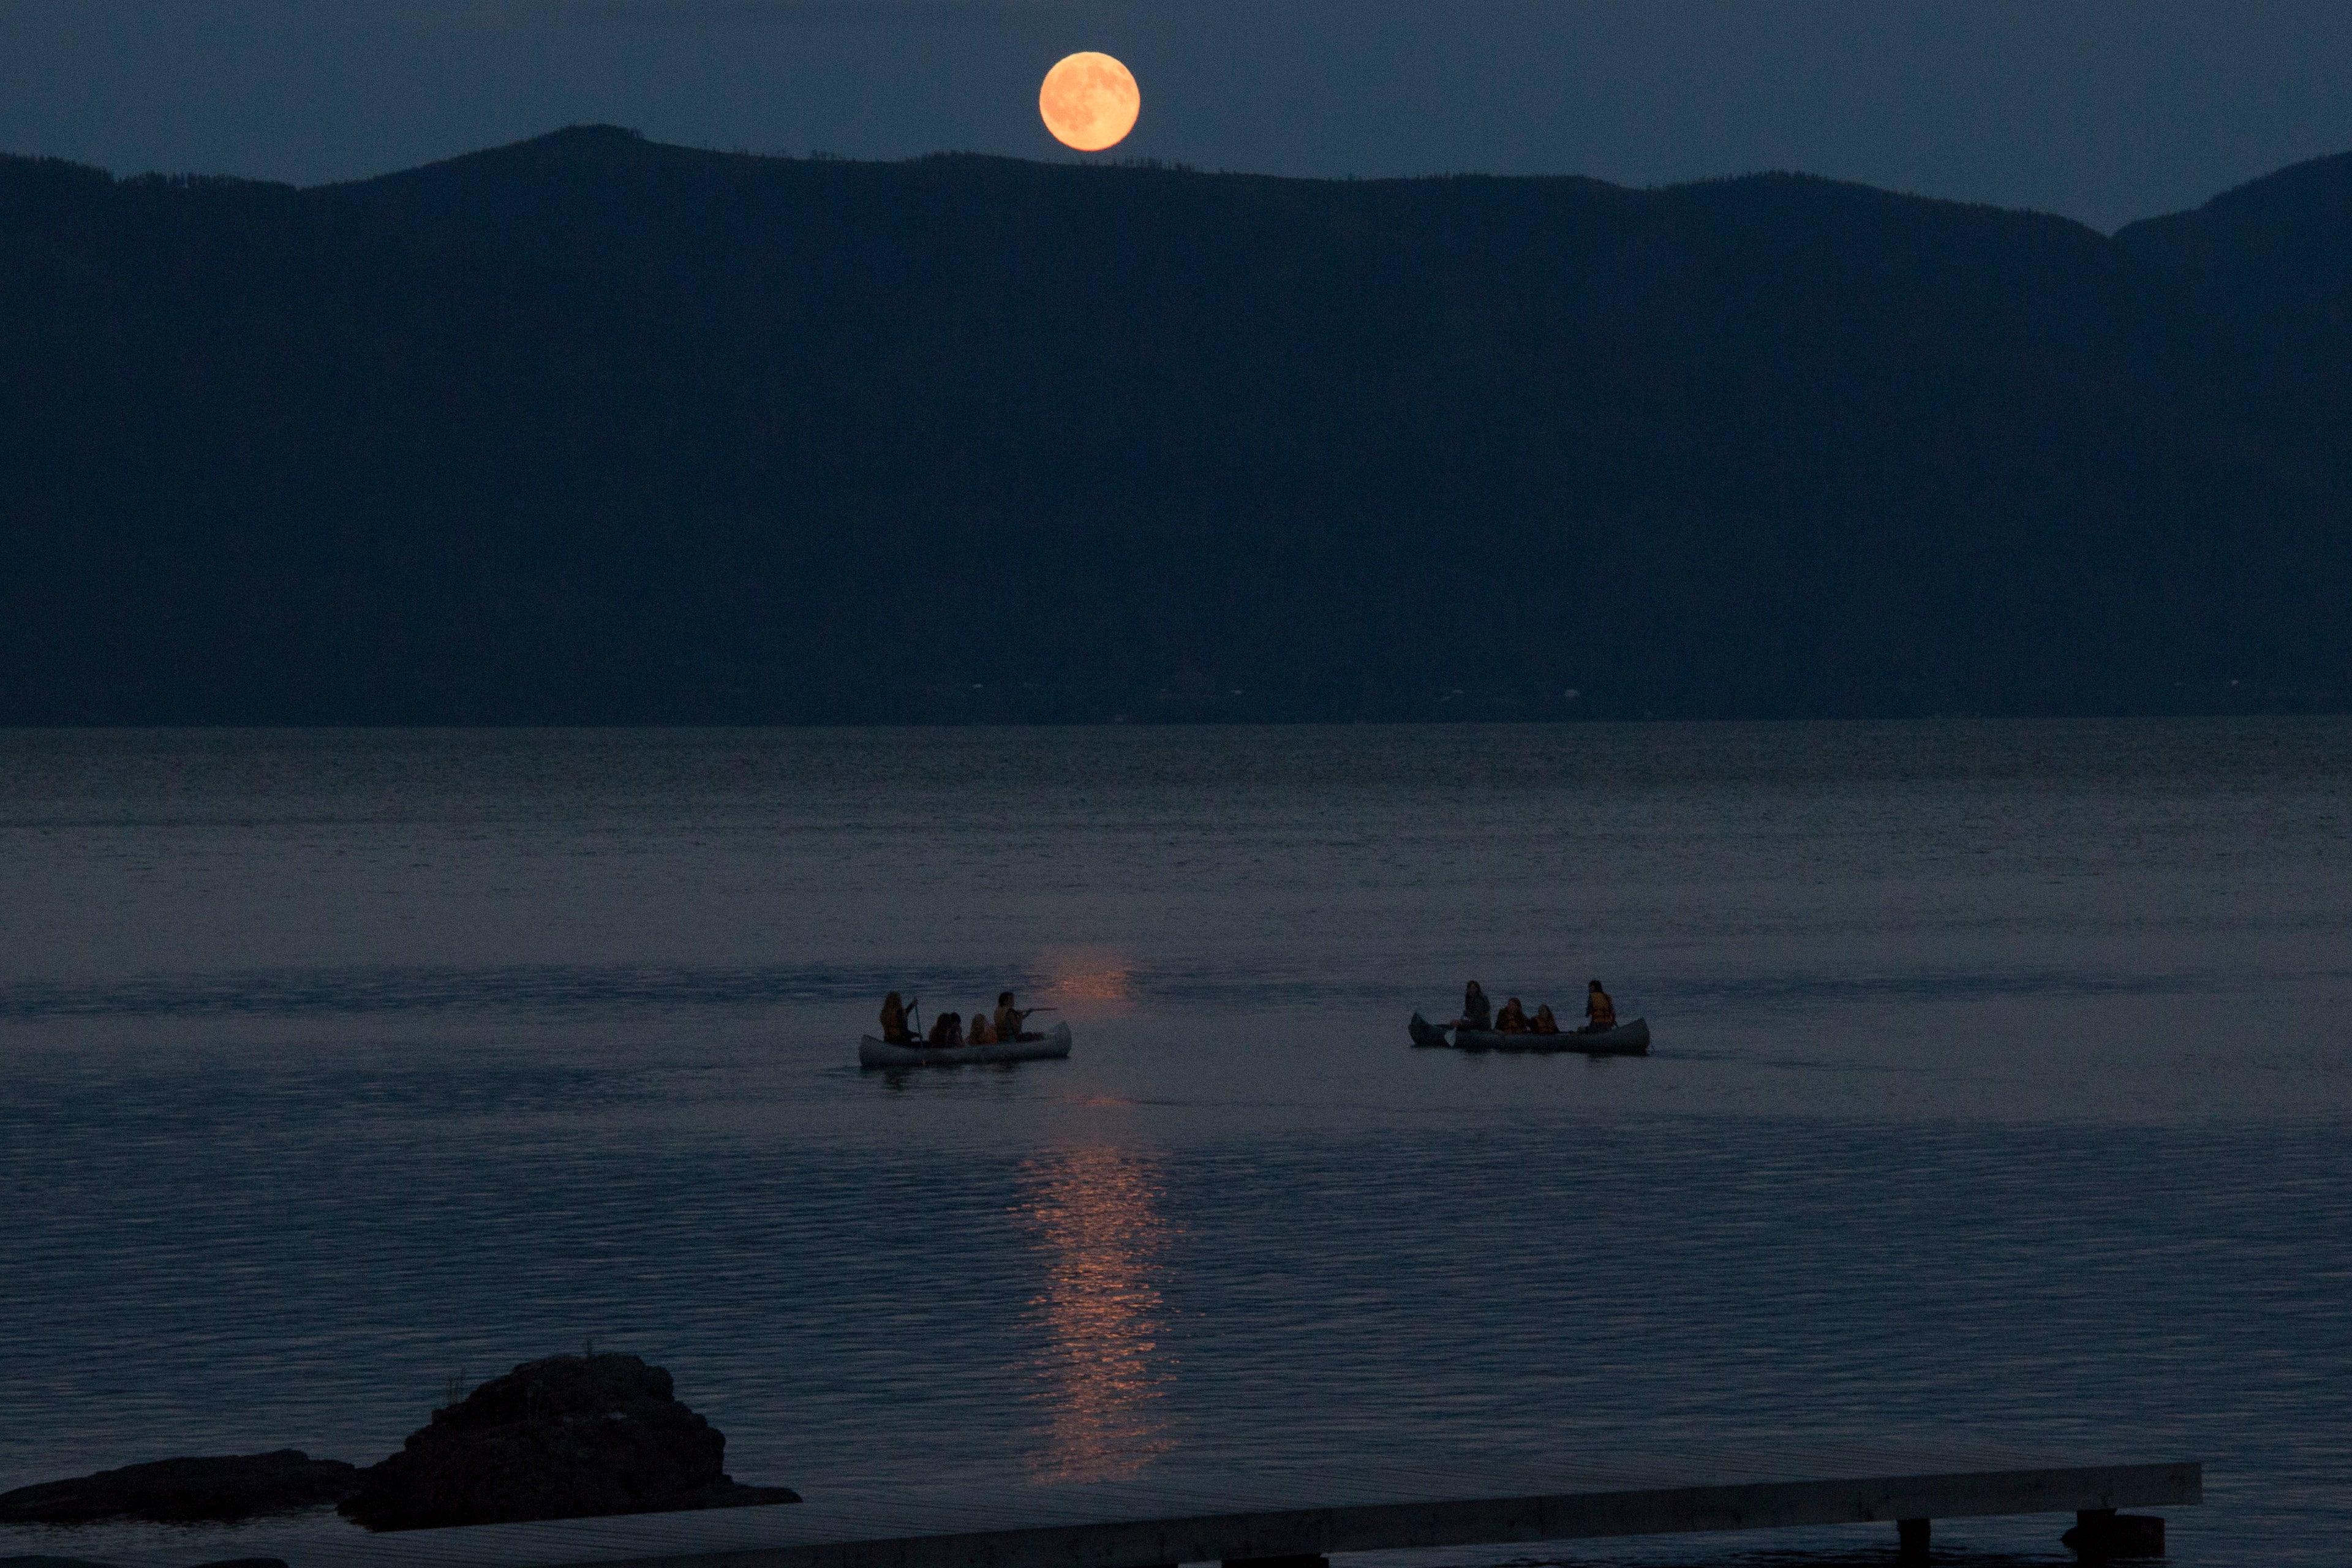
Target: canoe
{"x":1627,"y":1039}
{"x":873,"y":1053}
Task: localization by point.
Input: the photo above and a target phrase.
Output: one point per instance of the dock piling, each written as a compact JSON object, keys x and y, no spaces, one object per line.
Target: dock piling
{"x":2103,"y":1535}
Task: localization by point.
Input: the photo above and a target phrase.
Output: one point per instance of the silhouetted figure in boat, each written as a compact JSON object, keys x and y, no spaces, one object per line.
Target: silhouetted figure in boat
{"x":946,"y":1032}
{"x":1545,"y":1024}
{"x":980,"y":1032}
{"x":1475,"y":1013}
{"x":894,"y":1023}
{"x":1600,"y":1012}
{"x":1010,"y":1018}
{"x":1512,"y":1019}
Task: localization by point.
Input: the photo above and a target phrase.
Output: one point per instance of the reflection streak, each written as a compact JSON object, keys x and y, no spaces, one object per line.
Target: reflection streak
{"x":1095,"y":1215}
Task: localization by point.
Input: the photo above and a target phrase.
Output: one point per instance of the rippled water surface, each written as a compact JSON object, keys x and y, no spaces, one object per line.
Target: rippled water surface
{"x":1999,"y":1100}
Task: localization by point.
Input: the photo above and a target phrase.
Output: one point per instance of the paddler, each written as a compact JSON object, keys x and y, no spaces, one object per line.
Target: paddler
{"x":1476,"y":1012}
{"x":1599,"y":1010}
{"x":1010,"y":1018}
{"x":979,"y":1033}
{"x":894,"y":1021}
{"x":1512,"y":1019}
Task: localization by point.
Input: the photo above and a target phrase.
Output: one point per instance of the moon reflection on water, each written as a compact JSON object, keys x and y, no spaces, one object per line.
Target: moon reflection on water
{"x":1095,"y":1215}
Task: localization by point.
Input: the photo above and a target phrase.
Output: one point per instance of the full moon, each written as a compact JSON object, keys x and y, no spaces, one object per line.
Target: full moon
{"x":1089,"y":101}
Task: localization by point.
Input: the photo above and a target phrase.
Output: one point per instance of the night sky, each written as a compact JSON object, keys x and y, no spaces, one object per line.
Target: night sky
{"x":2103,"y":111}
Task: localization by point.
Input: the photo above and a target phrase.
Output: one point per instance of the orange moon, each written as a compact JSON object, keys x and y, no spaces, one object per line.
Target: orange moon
{"x":1089,"y":101}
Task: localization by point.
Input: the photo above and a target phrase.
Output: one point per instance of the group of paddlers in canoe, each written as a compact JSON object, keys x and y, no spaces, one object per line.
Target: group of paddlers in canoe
{"x":1600,"y":1015}
{"x":949,"y":1032}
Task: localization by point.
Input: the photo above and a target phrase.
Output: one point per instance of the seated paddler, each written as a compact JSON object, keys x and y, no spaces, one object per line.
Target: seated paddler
{"x":1476,"y":1012}
{"x":1599,"y":1010}
{"x":1009,"y":1019}
{"x":1512,"y":1019}
{"x":894,"y":1021}
{"x":979,"y":1032}
{"x":1545,"y":1024}
{"x":946,"y":1032}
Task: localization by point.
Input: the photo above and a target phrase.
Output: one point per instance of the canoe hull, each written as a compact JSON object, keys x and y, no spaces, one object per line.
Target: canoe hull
{"x":1627,"y":1039}
{"x":873,"y":1053}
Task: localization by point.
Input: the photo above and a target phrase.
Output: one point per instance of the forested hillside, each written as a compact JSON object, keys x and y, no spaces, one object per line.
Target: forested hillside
{"x":593,"y":429}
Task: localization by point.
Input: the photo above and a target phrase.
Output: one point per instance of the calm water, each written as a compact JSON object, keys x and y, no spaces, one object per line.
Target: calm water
{"x":2001,"y":1100}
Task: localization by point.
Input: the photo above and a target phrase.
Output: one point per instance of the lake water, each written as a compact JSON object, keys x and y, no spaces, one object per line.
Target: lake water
{"x":2000,"y":1101}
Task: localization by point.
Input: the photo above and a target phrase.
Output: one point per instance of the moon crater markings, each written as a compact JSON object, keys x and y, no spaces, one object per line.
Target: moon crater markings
{"x":1089,"y":101}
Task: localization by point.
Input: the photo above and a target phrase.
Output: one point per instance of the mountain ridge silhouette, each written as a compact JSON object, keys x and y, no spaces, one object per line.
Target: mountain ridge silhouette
{"x":593,"y":429}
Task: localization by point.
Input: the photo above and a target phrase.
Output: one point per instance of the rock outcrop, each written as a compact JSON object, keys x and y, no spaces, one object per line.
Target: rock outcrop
{"x":187,"y":1491}
{"x":567,"y":1437}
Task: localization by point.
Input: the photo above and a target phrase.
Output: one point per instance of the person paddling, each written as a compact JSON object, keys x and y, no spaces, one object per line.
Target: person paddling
{"x":1512,"y":1019}
{"x":1476,"y":1012}
{"x":895,"y":1031}
{"x":1010,"y":1018}
{"x":1601,"y":1011}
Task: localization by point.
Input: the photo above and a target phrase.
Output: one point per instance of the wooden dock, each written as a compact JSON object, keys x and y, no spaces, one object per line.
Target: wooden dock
{"x":2095,"y":1494}
{"x":1166,"y":1514}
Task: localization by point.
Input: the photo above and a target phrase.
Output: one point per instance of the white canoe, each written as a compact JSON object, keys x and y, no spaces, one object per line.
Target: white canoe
{"x":1627,"y":1039}
{"x":873,"y":1053}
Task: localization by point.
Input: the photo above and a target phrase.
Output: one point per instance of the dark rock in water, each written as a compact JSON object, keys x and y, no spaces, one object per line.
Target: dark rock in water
{"x":187,"y":1491}
{"x":567,"y":1437}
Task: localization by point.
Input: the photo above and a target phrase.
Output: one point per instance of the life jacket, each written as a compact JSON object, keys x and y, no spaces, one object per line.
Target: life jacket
{"x":1603,"y":1011}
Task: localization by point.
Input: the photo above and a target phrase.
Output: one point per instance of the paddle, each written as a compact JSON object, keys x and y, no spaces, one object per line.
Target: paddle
{"x":1022,"y":1017}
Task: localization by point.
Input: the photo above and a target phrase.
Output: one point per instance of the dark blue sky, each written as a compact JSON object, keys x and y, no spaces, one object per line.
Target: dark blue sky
{"x":2106,"y":112}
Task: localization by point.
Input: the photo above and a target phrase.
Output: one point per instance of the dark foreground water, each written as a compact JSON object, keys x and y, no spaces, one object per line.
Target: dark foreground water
{"x":2001,"y":1098}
